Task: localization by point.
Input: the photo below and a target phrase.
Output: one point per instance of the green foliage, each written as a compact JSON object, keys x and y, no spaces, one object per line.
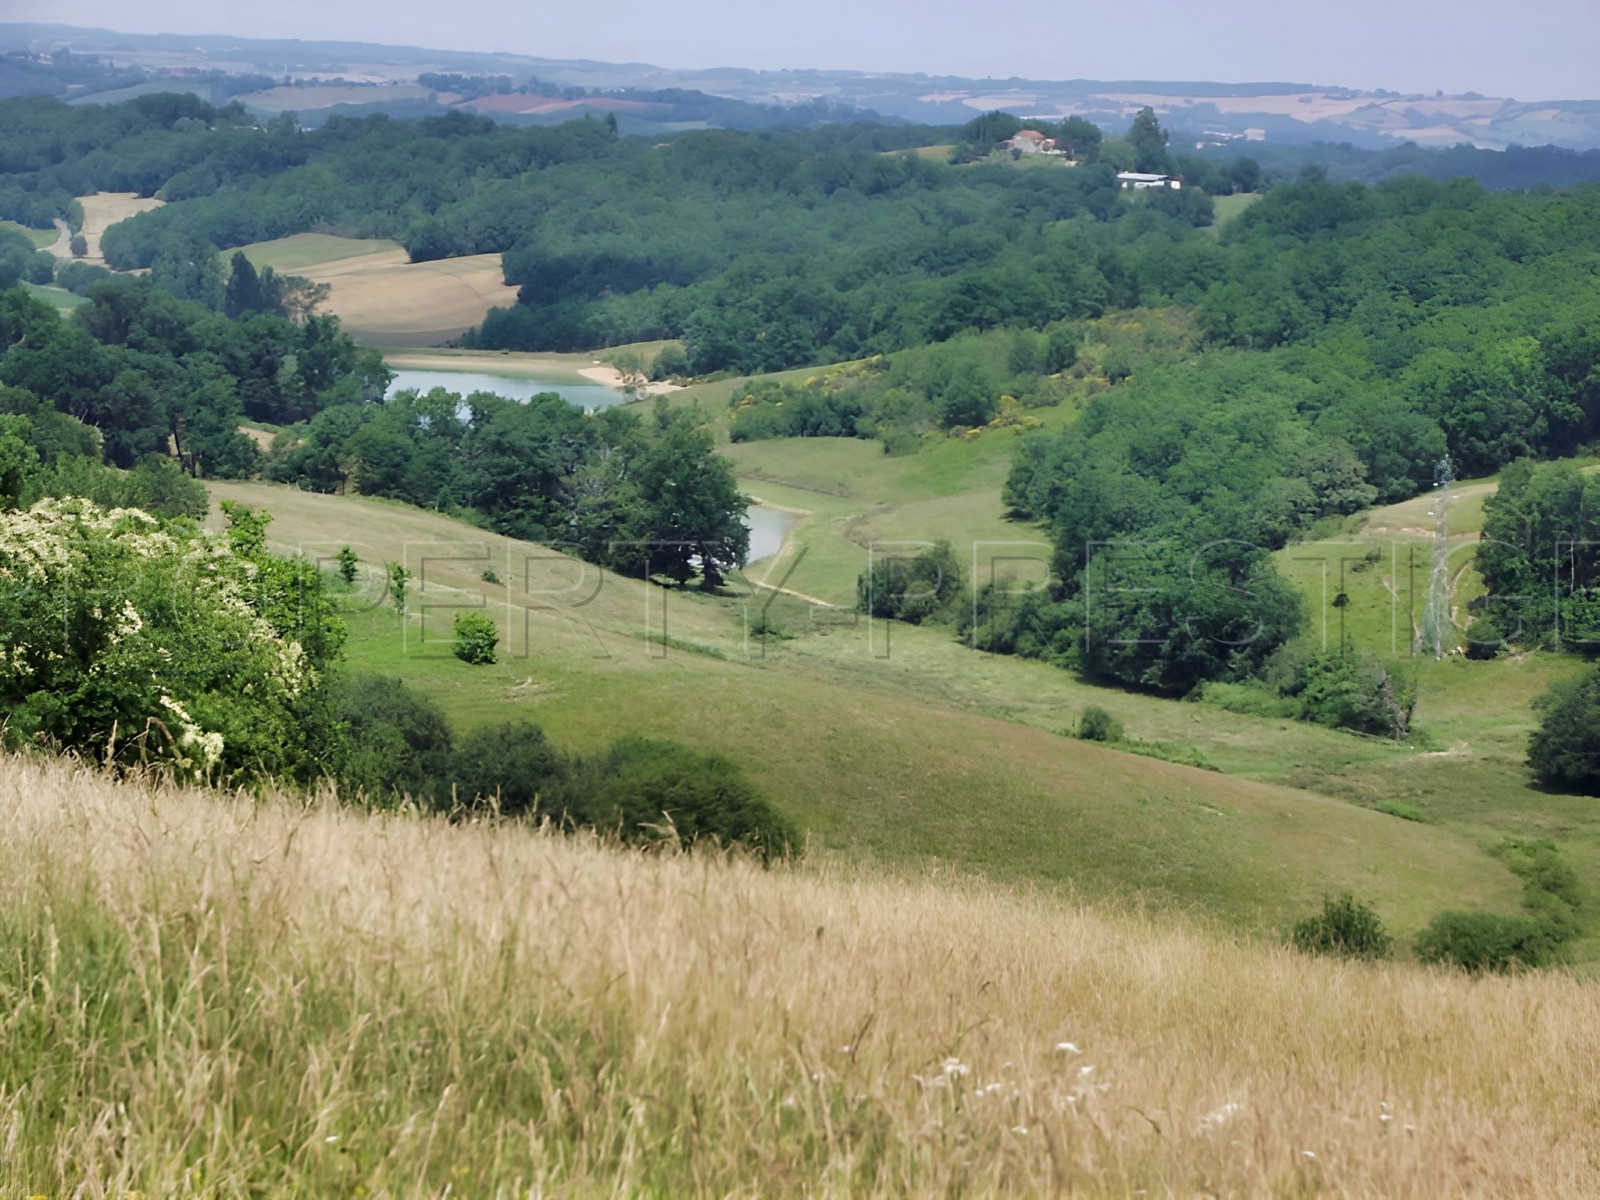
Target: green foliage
{"x":662,"y":501}
{"x":647,"y":784}
{"x":20,"y":261}
{"x":766,"y":409}
{"x":913,"y":588}
{"x":1564,"y":751}
{"x":1344,"y":690}
{"x":476,"y":637}
{"x":1097,"y":725}
{"x":399,"y":582}
{"x":1543,"y":580}
{"x":1483,"y":942}
{"x":672,"y":362}
{"x":513,"y":768}
{"x":1480,"y":942}
{"x":639,"y":790}
{"x":395,"y":744}
{"x":1346,"y":928}
{"x":1550,"y":887}
{"x":1399,"y":808}
{"x":1352,"y":691}
{"x":349,"y":562}
{"x":148,"y":370}
{"x":132,"y":641}
{"x":1149,"y":142}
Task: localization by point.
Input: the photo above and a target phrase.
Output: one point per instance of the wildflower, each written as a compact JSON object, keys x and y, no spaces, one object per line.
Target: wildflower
{"x":1085,"y":1072}
{"x":1217,"y":1119}
{"x":1067,"y":1048}
{"x":1021,"y":1130}
{"x":1307,"y":1154}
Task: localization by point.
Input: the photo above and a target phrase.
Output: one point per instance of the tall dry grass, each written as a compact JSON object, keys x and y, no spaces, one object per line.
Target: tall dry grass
{"x":210,"y":996}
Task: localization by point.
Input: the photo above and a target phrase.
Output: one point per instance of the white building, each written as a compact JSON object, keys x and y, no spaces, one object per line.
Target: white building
{"x":1031,"y":141}
{"x":1140,"y":180}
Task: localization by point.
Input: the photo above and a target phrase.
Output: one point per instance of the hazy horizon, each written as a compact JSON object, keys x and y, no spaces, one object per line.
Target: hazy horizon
{"x":1410,"y":46}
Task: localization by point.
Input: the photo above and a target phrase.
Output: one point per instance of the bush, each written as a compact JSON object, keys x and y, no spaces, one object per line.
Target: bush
{"x":1480,"y":942}
{"x":133,"y":641}
{"x":513,"y":767}
{"x":913,"y":589}
{"x":1486,"y":638}
{"x":476,"y":638}
{"x":349,"y":563}
{"x":1564,"y":751}
{"x":396,"y":742}
{"x":1345,"y":928}
{"x":647,"y":783}
{"x":670,"y":362}
{"x":1348,"y":691}
{"x":1097,"y":725}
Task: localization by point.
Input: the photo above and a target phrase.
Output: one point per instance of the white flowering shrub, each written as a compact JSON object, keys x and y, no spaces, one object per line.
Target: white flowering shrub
{"x":134,"y":641}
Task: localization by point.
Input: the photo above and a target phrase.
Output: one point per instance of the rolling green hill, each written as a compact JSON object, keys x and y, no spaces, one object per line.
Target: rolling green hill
{"x":909,"y":751}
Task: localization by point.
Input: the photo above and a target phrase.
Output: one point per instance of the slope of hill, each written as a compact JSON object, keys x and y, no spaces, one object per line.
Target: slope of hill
{"x":881,"y":749}
{"x":237,"y":995}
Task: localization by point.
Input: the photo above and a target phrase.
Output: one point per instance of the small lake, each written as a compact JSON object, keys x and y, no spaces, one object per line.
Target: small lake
{"x":768,"y":528}
{"x":512,"y":387}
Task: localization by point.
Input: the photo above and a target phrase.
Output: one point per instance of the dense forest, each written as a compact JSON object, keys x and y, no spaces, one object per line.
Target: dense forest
{"x":761,"y":250}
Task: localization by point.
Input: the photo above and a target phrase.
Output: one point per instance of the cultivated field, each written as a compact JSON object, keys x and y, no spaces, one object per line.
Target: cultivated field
{"x":386,"y":300}
{"x":221,"y":996}
{"x":306,"y":99}
{"x":301,"y":250}
{"x":101,"y":211}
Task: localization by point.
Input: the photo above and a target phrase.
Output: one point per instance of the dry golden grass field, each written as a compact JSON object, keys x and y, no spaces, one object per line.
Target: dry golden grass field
{"x":101,"y":211}
{"x":382,"y":297}
{"x":206,"y":995}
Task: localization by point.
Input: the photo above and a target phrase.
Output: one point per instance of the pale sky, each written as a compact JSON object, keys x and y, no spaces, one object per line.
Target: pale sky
{"x":1543,"y":50}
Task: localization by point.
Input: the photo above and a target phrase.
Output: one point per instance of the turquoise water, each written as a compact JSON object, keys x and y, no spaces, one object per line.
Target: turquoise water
{"x":584,"y":395}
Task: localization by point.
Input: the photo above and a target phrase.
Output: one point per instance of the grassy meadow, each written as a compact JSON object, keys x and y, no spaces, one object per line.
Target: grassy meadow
{"x":238,"y":996}
{"x":302,"y":250}
{"x":41,"y":238}
{"x":899,"y":745}
{"x":64,"y":301}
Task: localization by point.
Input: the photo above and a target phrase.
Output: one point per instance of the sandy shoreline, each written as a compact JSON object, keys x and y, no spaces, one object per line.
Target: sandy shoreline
{"x":609,"y":376}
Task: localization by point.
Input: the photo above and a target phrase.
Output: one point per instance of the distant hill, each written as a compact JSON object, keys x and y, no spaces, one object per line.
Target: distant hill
{"x":1204,"y":113}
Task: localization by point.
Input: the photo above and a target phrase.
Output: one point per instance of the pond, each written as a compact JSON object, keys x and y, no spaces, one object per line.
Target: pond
{"x":768,"y":528}
{"x":512,"y":387}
